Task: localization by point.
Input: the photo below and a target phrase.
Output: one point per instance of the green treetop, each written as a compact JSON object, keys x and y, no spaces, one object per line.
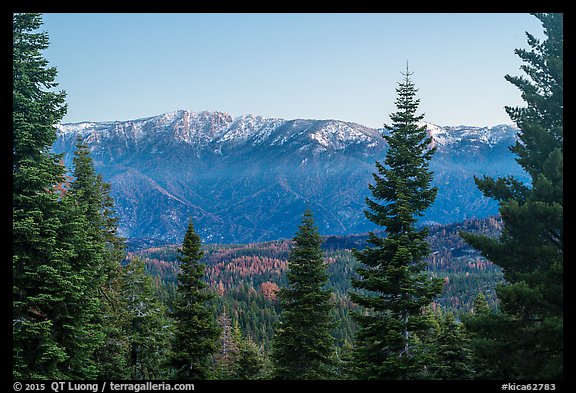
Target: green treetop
{"x":303,"y":347}
{"x":393,"y":286}
{"x":530,"y":247}
{"x":45,"y":284}
{"x":196,"y":332}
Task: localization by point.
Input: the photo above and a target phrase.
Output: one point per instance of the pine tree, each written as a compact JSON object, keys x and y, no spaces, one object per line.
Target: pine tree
{"x":114,"y":354}
{"x":226,"y":359}
{"x":345,"y":361}
{"x":238,"y":358}
{"x":393,"y":287}
{"x":480,"y":306}
{"x":251,"y":363}
{"x":64,"y":234}
{"x":99,"y":259}
{"x":195,"y":329}
{"x":302,"y":346}
{"x":46,"y":289}
{"x":86,"y":321}
{"x":486,"y":364}
{"x":530,"y":247}
{"x":452,"y":356}
{"x":148,"y":325}
{"x":92,"y":193}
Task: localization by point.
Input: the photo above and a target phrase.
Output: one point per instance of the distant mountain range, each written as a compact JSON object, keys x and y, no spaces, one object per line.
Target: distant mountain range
{"x":249,"y":178}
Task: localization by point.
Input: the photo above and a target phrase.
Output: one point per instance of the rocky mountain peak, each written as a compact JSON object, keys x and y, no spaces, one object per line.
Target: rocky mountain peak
{"x":249,"y":178}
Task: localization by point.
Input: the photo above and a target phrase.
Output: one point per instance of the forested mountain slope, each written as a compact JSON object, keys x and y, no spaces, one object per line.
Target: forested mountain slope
{"x":247,"y":276}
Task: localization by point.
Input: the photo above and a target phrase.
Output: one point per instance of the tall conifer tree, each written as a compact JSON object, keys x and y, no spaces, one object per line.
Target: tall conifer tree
{"x":99,"y":260}
{"x":393,"y":286}
{"x":196,"y":332}
{"x":45,"y":286}
{"x":64,"y":234}
{"x":303,"y":347}
{"x":527,"y":335}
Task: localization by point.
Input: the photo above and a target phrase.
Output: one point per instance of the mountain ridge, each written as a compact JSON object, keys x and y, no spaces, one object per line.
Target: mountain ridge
{"x":248,"y":178}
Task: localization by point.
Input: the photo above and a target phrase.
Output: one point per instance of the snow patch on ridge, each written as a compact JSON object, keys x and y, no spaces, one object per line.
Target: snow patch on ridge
{"x":218,"y":129}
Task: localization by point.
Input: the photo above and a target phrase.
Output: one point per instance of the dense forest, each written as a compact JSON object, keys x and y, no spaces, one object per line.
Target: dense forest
{"x":479,"y":299}
{"x":247,"y":277}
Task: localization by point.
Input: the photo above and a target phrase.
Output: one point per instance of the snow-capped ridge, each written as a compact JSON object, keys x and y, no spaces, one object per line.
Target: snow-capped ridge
{"x":248,"y":178}
{"x":215,"y":130}
{"x":449,"y":135}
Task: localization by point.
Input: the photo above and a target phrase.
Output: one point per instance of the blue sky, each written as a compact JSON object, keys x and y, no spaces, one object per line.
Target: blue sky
{"x":343,"y":66}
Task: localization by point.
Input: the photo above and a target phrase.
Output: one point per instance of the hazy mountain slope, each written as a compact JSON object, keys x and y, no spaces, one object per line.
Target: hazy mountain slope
{"x":249,"y":178}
